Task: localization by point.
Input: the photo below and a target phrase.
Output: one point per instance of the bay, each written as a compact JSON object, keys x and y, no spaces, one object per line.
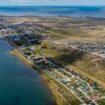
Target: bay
{"x":20,"y":84}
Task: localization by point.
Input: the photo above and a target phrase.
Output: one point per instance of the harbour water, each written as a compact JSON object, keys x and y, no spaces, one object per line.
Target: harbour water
{"x":90,"y":11}
{"x":19,"y":84}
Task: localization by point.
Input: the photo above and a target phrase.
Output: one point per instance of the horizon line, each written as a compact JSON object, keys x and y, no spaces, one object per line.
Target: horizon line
{"x":52,"y":5}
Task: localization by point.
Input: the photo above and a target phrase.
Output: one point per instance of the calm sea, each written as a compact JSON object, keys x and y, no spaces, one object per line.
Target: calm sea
{"x":19,"y":84}
{"x":91,"y":11}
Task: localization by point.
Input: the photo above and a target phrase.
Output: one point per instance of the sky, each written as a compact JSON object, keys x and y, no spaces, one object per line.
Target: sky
{"x":51,"y":2}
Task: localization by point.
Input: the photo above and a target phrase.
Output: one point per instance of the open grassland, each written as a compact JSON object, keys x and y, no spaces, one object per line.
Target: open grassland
{"x":101,"y":102}
{"x":67,"y":32}
{"x":92,"y":65}
{"x":80,"y":34}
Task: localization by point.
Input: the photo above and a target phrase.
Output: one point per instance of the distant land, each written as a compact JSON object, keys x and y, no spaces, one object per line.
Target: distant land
{"x":89,"y":11}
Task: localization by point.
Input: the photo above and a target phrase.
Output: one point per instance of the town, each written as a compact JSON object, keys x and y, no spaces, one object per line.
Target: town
{"x":28,"y":37}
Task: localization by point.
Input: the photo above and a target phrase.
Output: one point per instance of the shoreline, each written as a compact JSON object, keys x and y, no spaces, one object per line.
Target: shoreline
{"x":52,"y":86}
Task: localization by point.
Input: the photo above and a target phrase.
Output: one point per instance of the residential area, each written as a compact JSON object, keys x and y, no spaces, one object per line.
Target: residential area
{"x":97,"y":48}
{"x":25,"y":37}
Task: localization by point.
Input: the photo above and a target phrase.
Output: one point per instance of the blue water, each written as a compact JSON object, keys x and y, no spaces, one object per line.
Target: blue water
{"x":19,"y":84}
{"x":91,"y":11}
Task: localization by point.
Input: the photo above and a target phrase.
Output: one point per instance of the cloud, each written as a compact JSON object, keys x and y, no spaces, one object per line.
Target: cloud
{"x":52,"y":2}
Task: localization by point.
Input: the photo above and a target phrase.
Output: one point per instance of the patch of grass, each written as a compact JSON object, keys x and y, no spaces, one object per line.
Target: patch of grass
{"x":68,"y":32}
{"x":46,"y":51}
{"x":101,"y":102}
{"x":51,"y":52}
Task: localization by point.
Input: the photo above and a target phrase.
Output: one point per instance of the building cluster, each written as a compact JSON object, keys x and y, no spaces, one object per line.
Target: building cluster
{"x":86,"y":90}
{"x":22,"y":34}
{"x":95,"y":48}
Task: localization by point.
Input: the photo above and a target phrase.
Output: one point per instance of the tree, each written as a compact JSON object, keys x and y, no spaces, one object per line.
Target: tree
{"x":44,"y":44}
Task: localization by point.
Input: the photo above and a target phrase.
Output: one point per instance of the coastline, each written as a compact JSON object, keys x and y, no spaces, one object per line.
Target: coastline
{"x":52,"y":86}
